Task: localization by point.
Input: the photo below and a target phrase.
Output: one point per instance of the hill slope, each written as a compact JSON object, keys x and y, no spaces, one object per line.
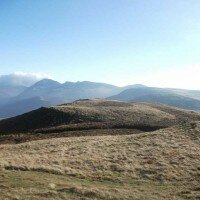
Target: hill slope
{"x":99,"y":112}
{"x":171,"y":100}
{"x":158,"y":95}
{"x":159,"y":165}
{"x":132,"y":151}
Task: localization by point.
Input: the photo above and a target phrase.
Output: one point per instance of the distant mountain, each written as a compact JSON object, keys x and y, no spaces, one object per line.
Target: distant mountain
{"x":88,"y":85}
{"x":20,"y":107}
{"x":132,"y":93}
{"x":15,"y":98}
{"x":19,"y":79}
{"x":29,"y":93}
{"x":57,"y":93}
{"x":158,"y":95}
{"x":9,"y":91}
{"x":134,"y":86}
{"x":172,"y":100}
{"x":13,"y":84}
{"x":45,"y":89}
{"x":195,"y":94}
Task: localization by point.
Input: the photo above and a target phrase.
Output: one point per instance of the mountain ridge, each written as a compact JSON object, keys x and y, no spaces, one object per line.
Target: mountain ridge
{"x":52,"y":91}
{"x":158,"y":95}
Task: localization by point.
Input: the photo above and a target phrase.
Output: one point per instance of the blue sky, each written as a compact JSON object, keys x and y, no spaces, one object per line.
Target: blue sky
{"x":155,"y":42}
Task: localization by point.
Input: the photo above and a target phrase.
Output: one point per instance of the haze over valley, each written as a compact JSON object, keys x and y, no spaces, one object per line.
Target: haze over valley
{"x":23,"y":94}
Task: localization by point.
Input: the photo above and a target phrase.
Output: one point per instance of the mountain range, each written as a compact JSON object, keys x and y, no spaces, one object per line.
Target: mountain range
{"x":13,"y":84}
{"x":18,"y":97}
{"x":188,"y":100}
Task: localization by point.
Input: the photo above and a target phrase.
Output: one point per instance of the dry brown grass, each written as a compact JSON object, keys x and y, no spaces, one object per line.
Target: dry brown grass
{"x":163,"y":155}
{"x":103,"y":162}
{"x":93,"y":114}
{"x":164,"y":164}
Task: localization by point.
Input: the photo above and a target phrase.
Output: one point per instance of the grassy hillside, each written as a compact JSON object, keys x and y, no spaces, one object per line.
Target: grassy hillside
{"x":90,"y":114}
{"x":163,"y":164}
{"x":97,"y":149}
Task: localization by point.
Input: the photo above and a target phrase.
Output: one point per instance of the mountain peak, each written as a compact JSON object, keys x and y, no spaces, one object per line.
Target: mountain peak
{"x":47,"y":83}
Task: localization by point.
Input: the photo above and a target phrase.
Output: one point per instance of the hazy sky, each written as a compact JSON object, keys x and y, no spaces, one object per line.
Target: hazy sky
{"x":154,"y":42}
